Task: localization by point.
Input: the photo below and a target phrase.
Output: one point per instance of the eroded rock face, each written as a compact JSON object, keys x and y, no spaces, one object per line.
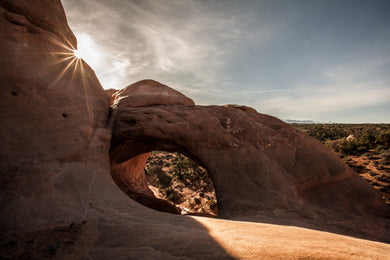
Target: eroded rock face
{"x":53,"y":116}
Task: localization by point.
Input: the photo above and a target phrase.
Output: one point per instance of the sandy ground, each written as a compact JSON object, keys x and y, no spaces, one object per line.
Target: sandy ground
{"x":248,"y":240}
{"x":239,"y":239}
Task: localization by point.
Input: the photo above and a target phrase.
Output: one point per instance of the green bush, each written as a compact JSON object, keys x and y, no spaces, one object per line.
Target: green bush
{"x":169,"y":193}
{"x":186,"y":169}
{"x":164,"y":179}
{"x":384,"y":139}
{"x":385,"y":156}
{"x":349,"y":147}
{"x":212,"y":203}
{"x":367,"y":136}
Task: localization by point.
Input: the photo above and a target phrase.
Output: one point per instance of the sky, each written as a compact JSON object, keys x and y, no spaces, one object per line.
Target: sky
{"x":305,"y":60}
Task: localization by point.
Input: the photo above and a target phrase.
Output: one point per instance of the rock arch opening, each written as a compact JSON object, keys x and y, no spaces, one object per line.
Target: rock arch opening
{"x":167,"y":181}
{"x":180,"y":180}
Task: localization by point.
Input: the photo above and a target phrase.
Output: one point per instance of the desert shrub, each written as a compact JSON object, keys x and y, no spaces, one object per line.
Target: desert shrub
{"x":361,"y":149}
{"x":212,"y":203}
{"x":349,"y":147}
{"x":383,"y":178}
{"x":380,"y":148}
{"x":374,"y":183}
{"x":335,"y":145}
{"x":186,"y":169}
{"x":367,"y":139}
{"x":368,"y":136}
{"x":197,"y":201}
{"x":157,"y":171}
{"x":385,"y":156}
{"x":384,"y":139}
{"x":172,"y":172}
{"x":169,"y":193}
{"x":179,"y":168}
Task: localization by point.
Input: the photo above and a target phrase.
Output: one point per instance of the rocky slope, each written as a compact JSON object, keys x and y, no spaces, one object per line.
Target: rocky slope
{"x":364,"y":147}
{"x":58,"y":198}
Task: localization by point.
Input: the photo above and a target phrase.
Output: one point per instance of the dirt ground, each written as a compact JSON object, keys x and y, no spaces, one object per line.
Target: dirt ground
{"x":368,"y":166}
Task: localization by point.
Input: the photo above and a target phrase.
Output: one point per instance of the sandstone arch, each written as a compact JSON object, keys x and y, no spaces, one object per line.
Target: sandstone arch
{"x":129,"y":158}
{"x":257,"y":162}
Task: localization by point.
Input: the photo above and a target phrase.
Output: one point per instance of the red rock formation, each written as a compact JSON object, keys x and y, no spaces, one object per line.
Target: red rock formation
{"x":53,"y":114}
{"x":259,"y":165}
{"x":130,"y":176}
{"x":256,"y":161}
{"x":58,"y":198}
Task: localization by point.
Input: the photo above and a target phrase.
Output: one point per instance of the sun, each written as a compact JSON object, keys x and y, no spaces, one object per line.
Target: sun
{"x":77,"y":54}
{"x":88,"y":51}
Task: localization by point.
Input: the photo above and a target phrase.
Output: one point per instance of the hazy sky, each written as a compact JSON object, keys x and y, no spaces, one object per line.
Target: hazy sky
{"x":313,"y":59}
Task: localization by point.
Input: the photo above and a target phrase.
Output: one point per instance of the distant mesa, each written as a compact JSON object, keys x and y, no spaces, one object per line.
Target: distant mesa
{"x":294,"y":121}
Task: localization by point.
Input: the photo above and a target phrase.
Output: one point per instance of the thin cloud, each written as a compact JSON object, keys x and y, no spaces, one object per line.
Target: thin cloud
{"x":317,"y":100}
{"x":178,"y":43}
{"x":288,"y":60}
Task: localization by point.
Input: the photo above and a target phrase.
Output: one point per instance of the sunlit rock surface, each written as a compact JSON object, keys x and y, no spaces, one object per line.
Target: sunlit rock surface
{"x":149,"y":93}
{"x":58,"y":198}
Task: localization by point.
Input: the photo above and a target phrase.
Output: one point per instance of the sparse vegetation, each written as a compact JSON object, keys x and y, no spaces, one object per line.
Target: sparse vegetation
{"x":182,"y":181}
{"x":364,"y":147}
